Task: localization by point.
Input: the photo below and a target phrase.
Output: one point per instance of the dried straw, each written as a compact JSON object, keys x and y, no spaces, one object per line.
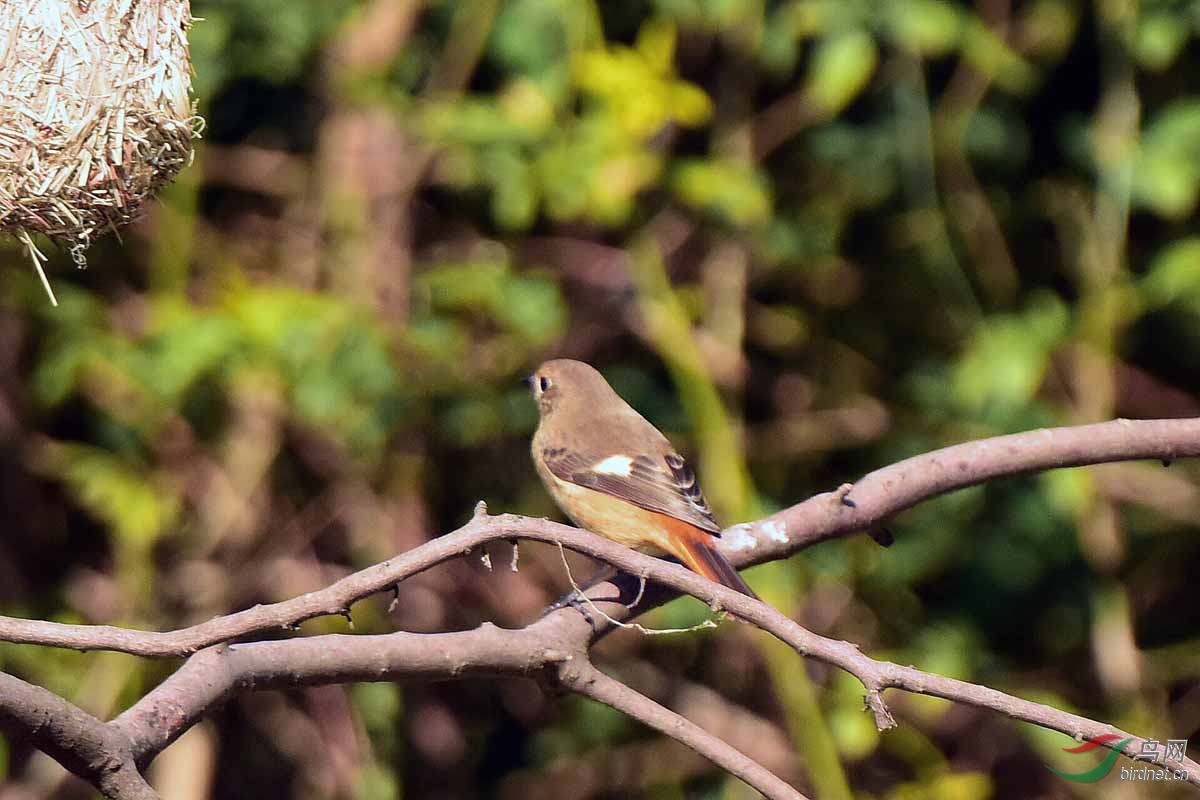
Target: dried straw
{"x":95,"y":114}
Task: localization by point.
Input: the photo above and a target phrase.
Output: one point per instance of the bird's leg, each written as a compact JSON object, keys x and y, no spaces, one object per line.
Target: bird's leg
{"x":577,"y":601}
{"x":574,"y":599}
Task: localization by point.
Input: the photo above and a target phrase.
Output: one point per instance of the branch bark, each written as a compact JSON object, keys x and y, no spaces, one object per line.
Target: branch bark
{"x":97,"y":752}
{"x":894,"y":488}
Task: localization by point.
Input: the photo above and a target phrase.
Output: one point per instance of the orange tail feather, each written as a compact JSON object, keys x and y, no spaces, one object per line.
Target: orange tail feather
{"x":698,"y":551}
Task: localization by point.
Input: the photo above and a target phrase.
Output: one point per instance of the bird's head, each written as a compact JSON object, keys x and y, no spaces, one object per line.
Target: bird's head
{"x":565,"y":381}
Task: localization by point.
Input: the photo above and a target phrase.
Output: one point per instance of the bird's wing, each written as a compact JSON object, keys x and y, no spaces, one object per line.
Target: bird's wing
{"x":665,"y":483}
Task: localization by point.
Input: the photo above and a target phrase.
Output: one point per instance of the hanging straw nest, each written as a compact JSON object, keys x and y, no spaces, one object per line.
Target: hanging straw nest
{"x":95,"y":114}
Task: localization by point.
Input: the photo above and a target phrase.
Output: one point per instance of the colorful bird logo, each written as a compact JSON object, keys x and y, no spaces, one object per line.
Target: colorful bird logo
{"x":1100,"y":770}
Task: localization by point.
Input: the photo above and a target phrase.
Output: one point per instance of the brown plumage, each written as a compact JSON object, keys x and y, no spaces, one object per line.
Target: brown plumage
{"x":615,"y":474}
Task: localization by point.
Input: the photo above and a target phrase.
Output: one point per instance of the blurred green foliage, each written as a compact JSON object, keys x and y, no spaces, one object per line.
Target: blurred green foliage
{"x":805,"y":237}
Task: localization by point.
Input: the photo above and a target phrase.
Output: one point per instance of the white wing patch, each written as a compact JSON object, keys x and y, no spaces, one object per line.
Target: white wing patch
{"x":615,"y":465}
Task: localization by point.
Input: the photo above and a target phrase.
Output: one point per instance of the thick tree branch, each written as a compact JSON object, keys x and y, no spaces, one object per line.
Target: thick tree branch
{"x":96,"y":752}
{"x":894,"y":488}
{"x":212,"y":675}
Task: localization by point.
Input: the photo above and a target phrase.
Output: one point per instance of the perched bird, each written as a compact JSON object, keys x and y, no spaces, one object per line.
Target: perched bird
{"x":615,"y":474}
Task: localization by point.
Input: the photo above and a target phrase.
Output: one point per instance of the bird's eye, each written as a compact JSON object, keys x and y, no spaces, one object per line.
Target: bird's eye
{"x":544,"y":383}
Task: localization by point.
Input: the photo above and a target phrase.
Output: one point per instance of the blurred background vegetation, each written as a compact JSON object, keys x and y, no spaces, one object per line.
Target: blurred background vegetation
{"x":807,"y":238}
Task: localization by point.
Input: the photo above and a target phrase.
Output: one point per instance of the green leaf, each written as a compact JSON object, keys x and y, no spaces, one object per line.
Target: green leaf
{"x":59,"y":370}
{"x":925,"y":27}
{"x":993,"y":57}
{"x":1008,"y":355}
{"x":1069,"y":491}
{"x":1166,"y":173}
{"x":946,"y":786}
{"x":530,"y":36}
{"x":842,"y":65}
{"x":471,"y":421}
{"x":437,"y":339}
{"x":475,"y":121}
{"x":1174,"y":274}
{"x":514,"y":189}
{"x":128,"y":498}
{"x":656,"y":43}
{"x":732,"y":190}
{"x":76,"y":326}
{"x":1160,"y":38}
{"x":184,"y":346}
{"x":532,"y":307}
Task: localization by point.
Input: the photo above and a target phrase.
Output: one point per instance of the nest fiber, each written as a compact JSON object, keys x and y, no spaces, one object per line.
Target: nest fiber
{"x":95,"y":113}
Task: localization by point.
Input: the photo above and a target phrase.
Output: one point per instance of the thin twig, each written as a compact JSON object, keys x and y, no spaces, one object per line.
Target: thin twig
{"x":708,"y":623}
{"x":584,"y":678}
